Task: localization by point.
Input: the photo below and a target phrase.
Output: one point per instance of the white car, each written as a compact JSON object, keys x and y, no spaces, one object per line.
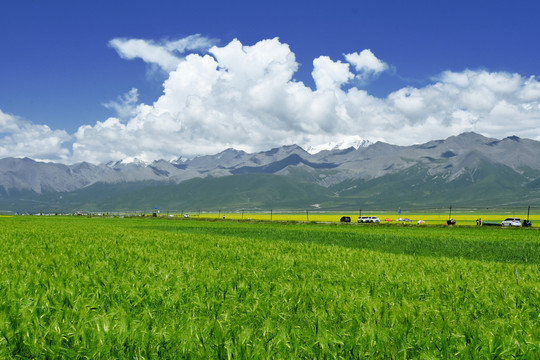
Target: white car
{"x":511,"y":222}
{"x":368,"y":219}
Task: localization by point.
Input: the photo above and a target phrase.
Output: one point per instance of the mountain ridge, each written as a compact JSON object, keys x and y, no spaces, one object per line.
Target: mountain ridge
{"x":447,"y":163}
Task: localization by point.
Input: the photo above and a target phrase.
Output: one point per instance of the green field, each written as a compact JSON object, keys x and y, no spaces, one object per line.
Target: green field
{"x":142,"y":288}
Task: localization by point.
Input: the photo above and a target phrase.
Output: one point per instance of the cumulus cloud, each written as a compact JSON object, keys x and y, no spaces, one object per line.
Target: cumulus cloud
{"x":246,"y":97}
{"x":494,"y":104}
{"x":367,"y":65}
{"x":165,"y":54}
{"x":330,"y":74}
{"x":21,"y":138}
{"x":126,"y":105}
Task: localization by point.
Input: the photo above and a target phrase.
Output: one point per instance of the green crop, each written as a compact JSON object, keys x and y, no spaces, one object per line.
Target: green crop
{"x":158,"y":288}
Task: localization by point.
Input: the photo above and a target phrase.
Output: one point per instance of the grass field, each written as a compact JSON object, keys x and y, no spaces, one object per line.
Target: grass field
{"x":142,"y":288}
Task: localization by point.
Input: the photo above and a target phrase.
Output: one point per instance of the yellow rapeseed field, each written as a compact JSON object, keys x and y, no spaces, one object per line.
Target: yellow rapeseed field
{"x":428,"y":219}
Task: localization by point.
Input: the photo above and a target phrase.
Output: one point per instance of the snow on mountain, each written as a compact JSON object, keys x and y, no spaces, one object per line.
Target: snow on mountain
{"x":354,"y":141}
{"x":180,"y":160}
{"x":135,"y":161}
{"x":439,"y":157}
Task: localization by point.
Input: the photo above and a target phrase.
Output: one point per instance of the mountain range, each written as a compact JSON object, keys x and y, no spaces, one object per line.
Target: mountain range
{"x":468,"y":170}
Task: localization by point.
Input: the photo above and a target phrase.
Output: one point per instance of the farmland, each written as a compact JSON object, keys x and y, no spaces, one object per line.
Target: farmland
{"x":78,"y":287}
{"x":463,"y":218}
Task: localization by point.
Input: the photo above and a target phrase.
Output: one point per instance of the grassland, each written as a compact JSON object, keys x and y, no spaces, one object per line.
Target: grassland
{"x":146,"y":288}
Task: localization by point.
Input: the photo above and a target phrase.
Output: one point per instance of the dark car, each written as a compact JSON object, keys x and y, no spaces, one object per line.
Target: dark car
{"x":345,"y":219}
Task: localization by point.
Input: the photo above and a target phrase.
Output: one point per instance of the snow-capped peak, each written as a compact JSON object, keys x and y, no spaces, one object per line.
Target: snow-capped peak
{"x":354,"y":141}
{"x":179,"y":160}
{"x":135,"y":161}
{"x":128,"y":161}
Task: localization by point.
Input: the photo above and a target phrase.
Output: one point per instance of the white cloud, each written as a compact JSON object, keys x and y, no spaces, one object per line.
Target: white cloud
{"x":246,"y":97}
{"x":20,"y":138}
{"x":126,"y":105}
{"x":165,"y":54}
{"x":330,"y":74}
{"x":530,"y":90}
{"x":367,"y":65}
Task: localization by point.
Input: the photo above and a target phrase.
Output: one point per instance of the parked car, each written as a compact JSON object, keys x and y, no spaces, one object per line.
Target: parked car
{"x":368,"y":219}
{"x":511,"y":222}
{"x":345,"y":219}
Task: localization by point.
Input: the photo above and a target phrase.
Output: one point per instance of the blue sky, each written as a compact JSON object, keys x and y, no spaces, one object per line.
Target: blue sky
{"x":61,"y":74}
